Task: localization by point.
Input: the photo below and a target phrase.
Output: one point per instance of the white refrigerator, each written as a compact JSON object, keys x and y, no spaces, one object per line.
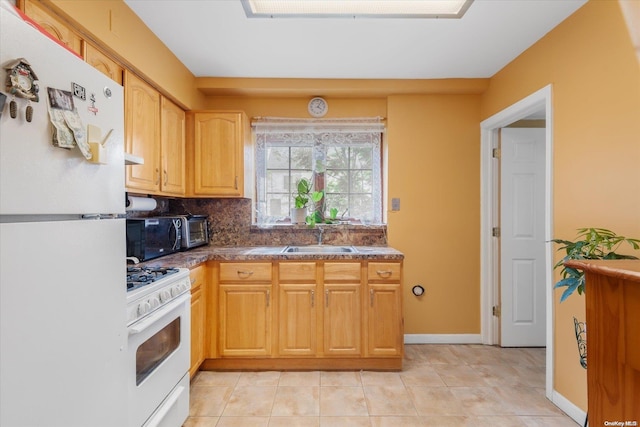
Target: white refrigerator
{"x":63,"y":331}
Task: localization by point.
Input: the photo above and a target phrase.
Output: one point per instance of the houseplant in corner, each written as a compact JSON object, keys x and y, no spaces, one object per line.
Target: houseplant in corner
{"x":301,"y":199}
{"x":591,"y":243}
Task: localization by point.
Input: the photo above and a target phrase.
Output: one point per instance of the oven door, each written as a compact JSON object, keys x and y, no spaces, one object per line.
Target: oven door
{"x":158,"y":359}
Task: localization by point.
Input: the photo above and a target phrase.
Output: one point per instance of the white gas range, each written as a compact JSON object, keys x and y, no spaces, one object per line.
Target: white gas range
{"x":158,"y":323}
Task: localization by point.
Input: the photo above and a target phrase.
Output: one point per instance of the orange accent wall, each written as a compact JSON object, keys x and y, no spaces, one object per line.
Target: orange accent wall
{"x":590,"y":61}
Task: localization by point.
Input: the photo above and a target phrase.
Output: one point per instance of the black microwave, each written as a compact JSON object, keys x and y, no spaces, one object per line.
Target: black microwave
{"x":149,"y":238}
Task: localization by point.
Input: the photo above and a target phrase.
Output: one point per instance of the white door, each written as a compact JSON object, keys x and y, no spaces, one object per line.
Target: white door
{"x":522,"y":245}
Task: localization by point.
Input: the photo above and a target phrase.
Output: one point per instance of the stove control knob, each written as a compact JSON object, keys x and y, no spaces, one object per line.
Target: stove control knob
{"x":144,"y":308}
{"x":165,"y":295}
{"x":154,"y":302}
{"x":175,"y":291}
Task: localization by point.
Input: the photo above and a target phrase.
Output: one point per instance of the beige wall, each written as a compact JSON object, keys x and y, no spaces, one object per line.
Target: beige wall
{"x":434,"y":167}
{"x":590,"y":61}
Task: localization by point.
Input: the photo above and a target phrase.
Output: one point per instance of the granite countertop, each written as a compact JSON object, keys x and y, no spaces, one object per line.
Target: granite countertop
{"x":193,"y":257}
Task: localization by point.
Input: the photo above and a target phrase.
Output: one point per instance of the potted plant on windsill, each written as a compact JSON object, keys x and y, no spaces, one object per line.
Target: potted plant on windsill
{"x":592,"y":243}
{"x":301,"y":199}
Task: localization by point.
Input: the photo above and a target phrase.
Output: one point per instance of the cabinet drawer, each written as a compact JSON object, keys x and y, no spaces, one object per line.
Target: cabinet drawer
{"x":298,"y":271}
{"x":342,"y":271}
{"x":245,"y":272}
{"x":384,"y":271}
{"x":197,"y":277}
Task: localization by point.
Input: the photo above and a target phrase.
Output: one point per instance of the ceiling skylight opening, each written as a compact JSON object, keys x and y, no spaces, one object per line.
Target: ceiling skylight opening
{"x":356,"y":8}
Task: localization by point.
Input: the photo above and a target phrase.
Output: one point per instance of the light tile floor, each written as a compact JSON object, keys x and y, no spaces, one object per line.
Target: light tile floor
{"x":440,"y":385}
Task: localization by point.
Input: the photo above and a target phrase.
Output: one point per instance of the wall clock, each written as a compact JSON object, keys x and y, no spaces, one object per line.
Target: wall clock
{"x":21,"y":80}
{"x":318,"y":107}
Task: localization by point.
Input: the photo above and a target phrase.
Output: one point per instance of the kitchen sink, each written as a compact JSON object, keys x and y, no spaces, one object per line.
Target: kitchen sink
{"x":319,"y":249}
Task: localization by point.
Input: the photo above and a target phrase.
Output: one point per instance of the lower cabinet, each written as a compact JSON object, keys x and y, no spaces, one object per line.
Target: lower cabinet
{"x":198,"y":289}
{"x":307,"y":315}
{"x":245,"y":320}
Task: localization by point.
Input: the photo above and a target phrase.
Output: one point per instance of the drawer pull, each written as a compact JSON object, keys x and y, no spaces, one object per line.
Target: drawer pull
{"x":243,"y":274}
{"x":384,"y":273}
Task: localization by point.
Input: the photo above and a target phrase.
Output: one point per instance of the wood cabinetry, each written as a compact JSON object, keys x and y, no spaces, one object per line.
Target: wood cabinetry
{"x":101,"y":62}
{"x":142,"y":133}
{"x":342,"y":309}
{"x":172,"y":148}
{"x":309,"y":315}
{"x":220,"y":154}
{"x":155,"y":131}
{"x":53,"y":25}
{"x":298,"y":314}
{"x":613,"y":339}
{"x":384,"y":309}
{"x":198,"y":327}
{"x":245,"y":309}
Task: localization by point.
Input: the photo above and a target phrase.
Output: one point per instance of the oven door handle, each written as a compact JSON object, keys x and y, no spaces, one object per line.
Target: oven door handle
{"x":142,"y":325}
{"x":158,"y":417}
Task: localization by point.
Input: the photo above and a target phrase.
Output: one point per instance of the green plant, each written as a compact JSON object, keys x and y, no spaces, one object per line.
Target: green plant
{"x":591,"y":243}
{"x":305,"y":194}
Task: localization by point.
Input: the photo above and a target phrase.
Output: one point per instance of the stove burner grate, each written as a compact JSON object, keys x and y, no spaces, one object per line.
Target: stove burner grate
{"x":138,"y":277}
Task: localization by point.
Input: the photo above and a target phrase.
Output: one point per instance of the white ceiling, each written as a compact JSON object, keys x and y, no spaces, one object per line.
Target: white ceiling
{"x":214,"y":38}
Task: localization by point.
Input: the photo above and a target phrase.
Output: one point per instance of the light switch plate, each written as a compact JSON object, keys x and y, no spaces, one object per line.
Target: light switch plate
{"x":395,"y":204}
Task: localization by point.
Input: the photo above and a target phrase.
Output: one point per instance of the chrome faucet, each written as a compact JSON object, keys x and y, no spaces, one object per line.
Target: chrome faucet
{"x":320,"y":231}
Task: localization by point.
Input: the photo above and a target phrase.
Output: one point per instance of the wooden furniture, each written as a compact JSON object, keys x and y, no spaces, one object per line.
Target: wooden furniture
{"x":245,"y":309}
{"x":198,"y":299}
{"x":308,"y":314}
{"x":220,"y":154}
{"x":613,"y":339}
{"x":101,"y":62}
{"x":53,"y":25}
{"x":155,"y":131}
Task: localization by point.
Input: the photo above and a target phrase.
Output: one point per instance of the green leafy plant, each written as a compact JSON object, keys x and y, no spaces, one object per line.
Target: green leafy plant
{"x":305,"y":194}
{"x":591,"y":243}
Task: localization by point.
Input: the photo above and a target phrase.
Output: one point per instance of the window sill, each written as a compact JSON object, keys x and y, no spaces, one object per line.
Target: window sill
{"x":289,"y":227}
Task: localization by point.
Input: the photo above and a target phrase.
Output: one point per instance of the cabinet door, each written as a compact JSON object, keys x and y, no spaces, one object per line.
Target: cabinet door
{"x":142,"y":128}
{"x":103,"y":63}
{"x":245,"y":320}
{"x":218,"y":154}
{"x":198,"y":290}
{"x":53,"y":25}
{"x":384,"y":317}
{"x":298,"y":319}
{"x":342,"y":319}
{"x":172,"y":149}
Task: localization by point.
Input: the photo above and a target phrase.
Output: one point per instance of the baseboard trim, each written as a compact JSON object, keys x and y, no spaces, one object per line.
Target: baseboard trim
{"x":569,"y":408}
{"x":443,"y":339}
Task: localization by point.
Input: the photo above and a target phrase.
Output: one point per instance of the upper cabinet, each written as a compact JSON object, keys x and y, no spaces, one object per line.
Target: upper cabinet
{"x":172,"y":148}
{"x":155,"y":131}
{"x":101,"y":62}
{"x":53,"y":25}
{"x":142,"y":134}
{"x":220,"y":154}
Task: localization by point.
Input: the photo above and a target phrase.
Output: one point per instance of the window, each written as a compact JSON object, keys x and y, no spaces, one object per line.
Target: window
{"x":340,"y":157}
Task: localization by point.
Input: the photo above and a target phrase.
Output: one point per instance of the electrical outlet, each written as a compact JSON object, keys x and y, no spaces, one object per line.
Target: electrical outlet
{"x":395,"y":204}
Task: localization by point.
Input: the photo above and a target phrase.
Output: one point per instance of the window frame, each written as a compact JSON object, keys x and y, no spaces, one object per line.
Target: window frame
{"x":319,"y":134}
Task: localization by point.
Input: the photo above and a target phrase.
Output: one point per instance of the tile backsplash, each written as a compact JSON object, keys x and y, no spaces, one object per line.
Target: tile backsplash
{"x":230,"y":225}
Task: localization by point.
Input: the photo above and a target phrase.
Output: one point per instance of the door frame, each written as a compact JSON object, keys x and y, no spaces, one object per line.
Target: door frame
{"x":489,"y":210}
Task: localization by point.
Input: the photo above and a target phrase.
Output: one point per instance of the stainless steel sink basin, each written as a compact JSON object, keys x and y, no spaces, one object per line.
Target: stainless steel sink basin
{"x":319,"y":249}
